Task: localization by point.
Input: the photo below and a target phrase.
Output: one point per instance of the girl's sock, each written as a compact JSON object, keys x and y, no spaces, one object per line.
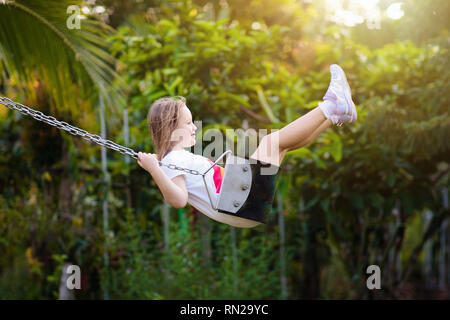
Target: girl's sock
{"x":328,"y":108}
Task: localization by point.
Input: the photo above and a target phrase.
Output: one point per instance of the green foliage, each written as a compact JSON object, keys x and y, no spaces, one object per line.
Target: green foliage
{"x":143,"y":269}
{"x":17,"y":281}
{"x":28,"y":236}
{"x":217,"y":67}
{"x":54,"y":279}
{"x":74,"y":64}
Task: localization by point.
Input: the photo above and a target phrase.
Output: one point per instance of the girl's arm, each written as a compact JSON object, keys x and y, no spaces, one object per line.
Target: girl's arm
{"x":174,"y":191}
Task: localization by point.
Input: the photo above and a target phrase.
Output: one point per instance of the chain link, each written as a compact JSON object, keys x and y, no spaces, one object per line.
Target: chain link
{"x":38,"y":115}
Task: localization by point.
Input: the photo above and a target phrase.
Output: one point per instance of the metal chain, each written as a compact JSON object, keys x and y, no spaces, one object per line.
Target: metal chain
{"x":38,"y":115}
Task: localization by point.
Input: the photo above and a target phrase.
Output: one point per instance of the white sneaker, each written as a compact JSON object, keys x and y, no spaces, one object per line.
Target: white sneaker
{"x":343,"y":109}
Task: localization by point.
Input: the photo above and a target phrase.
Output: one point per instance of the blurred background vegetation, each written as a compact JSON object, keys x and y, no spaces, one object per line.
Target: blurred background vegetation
{"x":371,"y":193}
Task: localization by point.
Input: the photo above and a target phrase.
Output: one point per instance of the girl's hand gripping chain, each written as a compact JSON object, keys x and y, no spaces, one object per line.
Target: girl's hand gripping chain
{"x":148,"y":161}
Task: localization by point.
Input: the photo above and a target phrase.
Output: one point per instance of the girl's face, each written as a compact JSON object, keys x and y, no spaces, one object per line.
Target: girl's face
{"x":185,"y":133}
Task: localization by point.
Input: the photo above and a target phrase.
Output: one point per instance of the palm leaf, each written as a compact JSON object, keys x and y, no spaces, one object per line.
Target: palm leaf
{"x":71,"y":64}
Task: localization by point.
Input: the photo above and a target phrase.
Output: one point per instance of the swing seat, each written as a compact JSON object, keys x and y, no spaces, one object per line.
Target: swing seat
{"x":248,"y":188}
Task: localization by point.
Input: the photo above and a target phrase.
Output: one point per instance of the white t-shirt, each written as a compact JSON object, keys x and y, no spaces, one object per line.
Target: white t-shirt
{"x":197,"y":194}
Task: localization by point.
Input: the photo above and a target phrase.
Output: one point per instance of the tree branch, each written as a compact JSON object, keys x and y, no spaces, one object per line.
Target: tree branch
{"x":255,"y":115}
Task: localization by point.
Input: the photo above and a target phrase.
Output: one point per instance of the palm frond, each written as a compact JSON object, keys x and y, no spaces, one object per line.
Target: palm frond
{"x":72,"y":64}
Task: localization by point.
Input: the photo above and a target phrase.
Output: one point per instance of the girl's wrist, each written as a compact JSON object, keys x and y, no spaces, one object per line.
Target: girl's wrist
{"x":152,"y":169}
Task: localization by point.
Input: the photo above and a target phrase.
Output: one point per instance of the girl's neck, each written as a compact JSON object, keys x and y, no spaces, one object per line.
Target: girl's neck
{"x":177,"y":147}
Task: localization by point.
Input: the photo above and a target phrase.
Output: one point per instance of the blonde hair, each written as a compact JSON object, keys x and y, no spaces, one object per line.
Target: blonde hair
{"x":163,"y":118}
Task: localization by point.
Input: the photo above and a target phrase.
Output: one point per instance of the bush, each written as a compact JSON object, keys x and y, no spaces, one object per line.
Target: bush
{"x":141,"y":268}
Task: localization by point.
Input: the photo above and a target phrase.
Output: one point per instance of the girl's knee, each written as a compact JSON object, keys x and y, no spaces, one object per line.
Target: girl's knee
{"x":272,"y":142}
{"x":269,"y":150}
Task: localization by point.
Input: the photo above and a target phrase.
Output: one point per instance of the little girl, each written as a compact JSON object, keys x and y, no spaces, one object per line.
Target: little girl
{"x":168,"y":115}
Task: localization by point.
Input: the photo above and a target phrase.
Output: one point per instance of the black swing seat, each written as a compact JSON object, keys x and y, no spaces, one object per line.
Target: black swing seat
{"x":247,"y":189}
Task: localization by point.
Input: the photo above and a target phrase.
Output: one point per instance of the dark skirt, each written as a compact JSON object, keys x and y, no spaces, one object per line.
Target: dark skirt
{"x":260,"y":199}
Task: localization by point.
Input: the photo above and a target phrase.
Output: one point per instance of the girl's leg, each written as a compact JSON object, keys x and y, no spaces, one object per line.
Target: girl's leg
{"x":313,"y":135}
{"x":273,"y":147}
{"x":300,"y":129}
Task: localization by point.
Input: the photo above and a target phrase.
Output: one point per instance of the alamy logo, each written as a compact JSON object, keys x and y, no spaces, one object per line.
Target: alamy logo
{"x":73,"y":21}
{"x":374,"y":281}
{"x":74,"y":279}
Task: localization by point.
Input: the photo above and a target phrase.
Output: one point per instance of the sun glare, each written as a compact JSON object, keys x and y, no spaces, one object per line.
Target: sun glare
{"x":353,"y":12}
{"x":394,"y":11}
